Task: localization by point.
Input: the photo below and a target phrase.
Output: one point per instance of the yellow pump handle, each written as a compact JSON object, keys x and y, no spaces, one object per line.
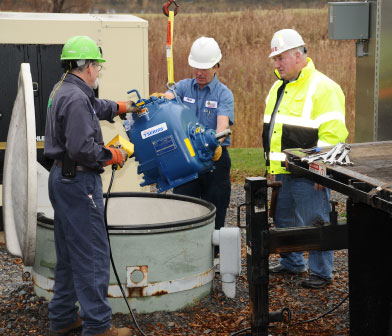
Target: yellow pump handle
{"x":120,"y":142}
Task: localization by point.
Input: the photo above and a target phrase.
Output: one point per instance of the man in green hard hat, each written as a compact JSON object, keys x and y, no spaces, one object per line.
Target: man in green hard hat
{"x":73,"y":139}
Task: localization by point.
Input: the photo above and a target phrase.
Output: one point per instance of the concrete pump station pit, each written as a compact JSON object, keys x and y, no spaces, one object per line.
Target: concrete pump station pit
{"x":161,"y":244}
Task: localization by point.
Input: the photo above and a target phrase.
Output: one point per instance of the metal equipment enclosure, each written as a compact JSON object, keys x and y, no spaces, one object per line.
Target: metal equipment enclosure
{"x":366,"y":235}
{"x":37,"y":38}
{"x":373,"y":104}
{"x":368,"y":184}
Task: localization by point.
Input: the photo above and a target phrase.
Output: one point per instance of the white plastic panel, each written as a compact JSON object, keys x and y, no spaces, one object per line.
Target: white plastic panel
{"x":20,"y":173}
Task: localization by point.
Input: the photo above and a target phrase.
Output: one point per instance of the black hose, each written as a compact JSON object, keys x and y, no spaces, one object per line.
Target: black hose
{"x":239,"y":332}
{"x":301,"y":322}
{"x":114,"y":167}
{"x":323,"y":314}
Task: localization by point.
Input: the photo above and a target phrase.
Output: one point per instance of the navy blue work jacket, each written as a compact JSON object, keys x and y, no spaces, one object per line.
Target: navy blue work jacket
{"x":72,"y":123}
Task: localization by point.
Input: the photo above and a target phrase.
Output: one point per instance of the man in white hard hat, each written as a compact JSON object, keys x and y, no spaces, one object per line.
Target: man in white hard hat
{"x":304,"y":108}
{"x":213,"y":104}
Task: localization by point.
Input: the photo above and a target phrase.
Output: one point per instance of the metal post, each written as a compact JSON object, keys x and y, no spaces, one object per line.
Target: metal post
{"x":257,"y":252}
{"x":369,"y":234}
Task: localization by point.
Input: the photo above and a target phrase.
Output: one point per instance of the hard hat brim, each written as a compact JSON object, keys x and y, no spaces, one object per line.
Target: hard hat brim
{"x":278,"y":52}
{"x":203,"y":66}
{"x":100,"y":60}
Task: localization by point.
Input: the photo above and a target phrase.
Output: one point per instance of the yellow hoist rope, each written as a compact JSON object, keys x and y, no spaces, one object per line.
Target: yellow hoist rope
{"x":169,"y":48}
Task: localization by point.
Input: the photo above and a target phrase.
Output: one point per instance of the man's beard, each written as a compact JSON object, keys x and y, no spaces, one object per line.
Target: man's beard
{"x":96,"y":83}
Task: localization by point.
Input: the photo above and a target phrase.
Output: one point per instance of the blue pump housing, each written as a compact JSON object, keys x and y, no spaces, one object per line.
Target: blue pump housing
{"x":171,"y":147}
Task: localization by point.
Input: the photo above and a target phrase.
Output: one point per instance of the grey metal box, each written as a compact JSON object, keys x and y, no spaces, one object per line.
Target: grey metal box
{"x":348,"y":20}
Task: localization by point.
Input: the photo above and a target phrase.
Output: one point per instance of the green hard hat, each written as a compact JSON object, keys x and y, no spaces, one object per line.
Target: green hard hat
{"x":81,"y":47}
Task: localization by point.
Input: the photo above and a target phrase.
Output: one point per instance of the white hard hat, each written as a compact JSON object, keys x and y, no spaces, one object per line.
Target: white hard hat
{"x":205,"y":53}
{"x":285,"y":39}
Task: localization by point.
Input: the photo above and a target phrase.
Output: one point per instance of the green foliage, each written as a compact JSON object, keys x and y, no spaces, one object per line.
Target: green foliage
{"x":246,"y":162}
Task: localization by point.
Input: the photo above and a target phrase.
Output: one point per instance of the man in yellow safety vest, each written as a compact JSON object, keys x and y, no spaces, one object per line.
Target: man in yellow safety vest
{"x":304,"y":108}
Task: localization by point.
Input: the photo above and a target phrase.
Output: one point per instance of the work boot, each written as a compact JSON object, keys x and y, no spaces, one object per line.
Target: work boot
{"x":113,"y":331}
{"x":65,"y":331}
{"x":315,"y":282}
{"x":278,"y":268}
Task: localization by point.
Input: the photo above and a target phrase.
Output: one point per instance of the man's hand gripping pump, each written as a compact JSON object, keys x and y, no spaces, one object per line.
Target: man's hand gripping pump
{"x":121,"y":150}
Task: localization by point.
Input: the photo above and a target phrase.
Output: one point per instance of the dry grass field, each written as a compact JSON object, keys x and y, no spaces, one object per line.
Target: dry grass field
{"x":244,"y":38}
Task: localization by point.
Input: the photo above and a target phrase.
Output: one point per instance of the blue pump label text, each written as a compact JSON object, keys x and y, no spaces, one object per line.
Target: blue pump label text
{"x":153,"y":130}
{"x":164,"y":145}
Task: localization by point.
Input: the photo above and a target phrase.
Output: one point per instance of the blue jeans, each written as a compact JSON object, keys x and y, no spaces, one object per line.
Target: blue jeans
{"x":82,"y":251}
{"x":214,"y":187}
{"x":299,"y":204}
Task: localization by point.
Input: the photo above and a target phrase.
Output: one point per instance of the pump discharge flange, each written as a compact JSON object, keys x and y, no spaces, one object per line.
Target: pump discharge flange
{"x":171,"y":147}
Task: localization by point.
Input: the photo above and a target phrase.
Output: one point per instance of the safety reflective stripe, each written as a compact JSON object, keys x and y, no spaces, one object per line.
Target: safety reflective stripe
{"x":269,"y":93}
{"x":308,"y":106}
{"x":323,"y":144}
{"x":334,"y":115}
{"x":305,"y":122}
{"x":276,"y":156}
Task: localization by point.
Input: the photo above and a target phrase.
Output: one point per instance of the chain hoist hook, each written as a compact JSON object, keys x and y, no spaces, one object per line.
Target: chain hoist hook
{"x":166,"y":6}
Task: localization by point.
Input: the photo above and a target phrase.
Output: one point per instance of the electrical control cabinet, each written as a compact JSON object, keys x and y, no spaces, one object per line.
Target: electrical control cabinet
{"x":348,"y":20}
{"x":38,"y":38}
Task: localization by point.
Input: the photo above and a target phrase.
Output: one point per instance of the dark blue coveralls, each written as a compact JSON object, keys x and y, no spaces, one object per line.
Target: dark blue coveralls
{"x":82,"y":250}
{"x":207,"y":104}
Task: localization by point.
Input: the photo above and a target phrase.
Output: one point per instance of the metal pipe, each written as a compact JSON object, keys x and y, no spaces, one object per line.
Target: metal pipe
{"x":257,"y":247}
{"x":223,"y":134}
{"x":257,"y":253}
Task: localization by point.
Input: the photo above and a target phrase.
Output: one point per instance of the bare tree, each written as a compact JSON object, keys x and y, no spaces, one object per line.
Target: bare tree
{"x":58,"y":6}
{"x":48,"y":6}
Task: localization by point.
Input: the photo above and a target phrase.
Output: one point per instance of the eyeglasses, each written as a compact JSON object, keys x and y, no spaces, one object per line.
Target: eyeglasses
{"x":99,"y":66}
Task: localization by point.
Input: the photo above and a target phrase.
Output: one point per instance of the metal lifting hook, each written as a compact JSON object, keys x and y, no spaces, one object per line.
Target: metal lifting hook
{"x":166,"y":6}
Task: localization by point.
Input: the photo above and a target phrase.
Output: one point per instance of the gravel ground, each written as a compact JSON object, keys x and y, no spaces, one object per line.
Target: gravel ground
{"x":23,"y":313}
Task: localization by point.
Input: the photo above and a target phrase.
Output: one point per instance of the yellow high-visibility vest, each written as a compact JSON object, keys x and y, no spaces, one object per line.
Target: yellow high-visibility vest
{"x":311,"y":112}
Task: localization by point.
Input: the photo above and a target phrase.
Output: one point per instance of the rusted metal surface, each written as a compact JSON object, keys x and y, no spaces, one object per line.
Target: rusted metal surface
{"x":165,"y":287}
{"x":372,"y":162}
{"x":42,"y":281}
{"x":163,"y":254}
{"x":368,"y":181}
{"x":151,"y":289}
{"x":133,"y":275}
{"x":297,"y":239}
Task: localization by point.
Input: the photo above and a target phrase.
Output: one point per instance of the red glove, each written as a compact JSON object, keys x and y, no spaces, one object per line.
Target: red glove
{"x":127,"y":107}
{"x":119,"y":156}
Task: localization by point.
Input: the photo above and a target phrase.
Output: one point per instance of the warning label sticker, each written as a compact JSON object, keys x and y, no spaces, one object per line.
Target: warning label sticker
{"x":317,"y":169}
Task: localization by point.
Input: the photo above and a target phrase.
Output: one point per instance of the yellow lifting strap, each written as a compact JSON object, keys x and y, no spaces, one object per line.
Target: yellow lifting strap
{"x":169,"y":48}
